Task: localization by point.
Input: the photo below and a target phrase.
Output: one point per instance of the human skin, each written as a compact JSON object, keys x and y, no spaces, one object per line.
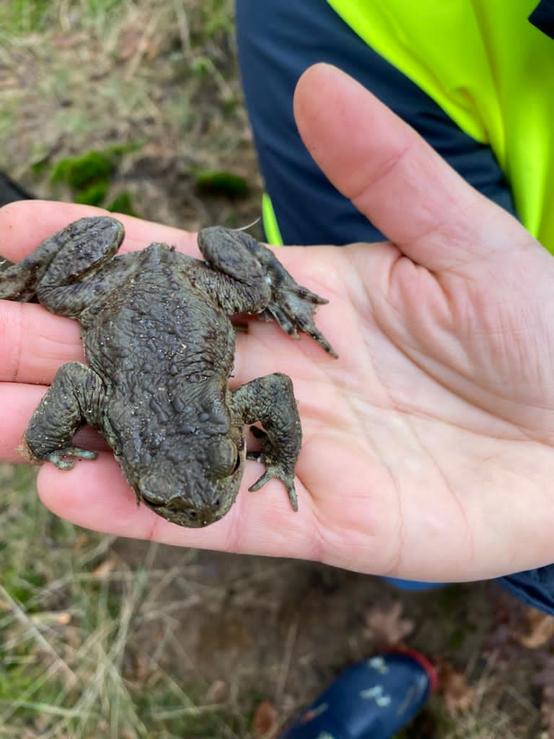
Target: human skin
{"x":428,"y":446}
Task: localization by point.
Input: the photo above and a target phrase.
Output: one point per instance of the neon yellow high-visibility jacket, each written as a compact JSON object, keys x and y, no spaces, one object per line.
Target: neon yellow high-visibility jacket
{"x":489,"y":70}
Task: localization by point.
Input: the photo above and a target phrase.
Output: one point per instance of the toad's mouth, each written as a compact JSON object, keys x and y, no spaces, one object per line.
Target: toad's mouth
{"x":190,"y":518}
{"x":175,"y":511}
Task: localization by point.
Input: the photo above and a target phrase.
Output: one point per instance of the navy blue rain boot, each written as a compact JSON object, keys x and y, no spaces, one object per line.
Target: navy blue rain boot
{"x":370,"y":700}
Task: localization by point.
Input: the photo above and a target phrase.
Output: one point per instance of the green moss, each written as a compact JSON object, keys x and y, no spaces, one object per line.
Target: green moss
{"x":220,"y":182}
{"x":94,"y":194}
{"x":122,"y":203}
{"x":89,"y":177}
{"x":81,"y":172}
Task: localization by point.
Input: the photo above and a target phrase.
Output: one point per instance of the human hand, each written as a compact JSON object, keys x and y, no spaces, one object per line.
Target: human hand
{"x":428,"y":445}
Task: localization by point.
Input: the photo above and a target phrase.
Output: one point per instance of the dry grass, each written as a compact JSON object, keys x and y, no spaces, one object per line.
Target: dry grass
{"x":70,"y":610}
{"x":158,"y":75}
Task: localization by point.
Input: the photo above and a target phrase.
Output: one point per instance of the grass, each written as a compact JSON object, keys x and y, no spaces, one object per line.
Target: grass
{"x":155,"y":76}
{"x":22,"y":17}
{"x":68,"y":609}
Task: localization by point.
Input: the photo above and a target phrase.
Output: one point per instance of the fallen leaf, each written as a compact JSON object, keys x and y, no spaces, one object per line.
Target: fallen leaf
{"x":541,"y":629}
{"x":104,"y":568}
{"x":458,"y":695}
{"x":129,"y":39}
{"x":217,"y":692}
{"x":81,"y":541}
{"x":386,"y":625}
{"x":51,"y":617}
{"x":69,"y":40}
{"x":264,"y":723}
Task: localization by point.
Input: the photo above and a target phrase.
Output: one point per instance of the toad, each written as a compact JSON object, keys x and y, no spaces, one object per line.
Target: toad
{"x":159,"y":342}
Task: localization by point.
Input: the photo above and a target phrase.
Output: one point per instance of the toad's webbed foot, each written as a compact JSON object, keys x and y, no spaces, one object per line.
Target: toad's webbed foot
{"x":270,"y":401}
{"x":268,"y":455}
{"x":57,"y":270}
{"x":293,"y":307}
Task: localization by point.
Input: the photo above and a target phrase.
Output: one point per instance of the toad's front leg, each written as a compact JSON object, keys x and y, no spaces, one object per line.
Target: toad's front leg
{"x":75,"y":398}
{"x":270,"y":400}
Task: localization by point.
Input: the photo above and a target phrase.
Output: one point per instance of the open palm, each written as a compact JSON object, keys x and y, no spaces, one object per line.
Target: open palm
{"x":429,"y":444}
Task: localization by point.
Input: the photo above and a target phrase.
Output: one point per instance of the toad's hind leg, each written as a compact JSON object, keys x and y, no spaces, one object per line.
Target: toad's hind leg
{"x":61,"y":261}
{"x":75,"y":398}
{"x":270,"y":400}
{"x":278,"y":296}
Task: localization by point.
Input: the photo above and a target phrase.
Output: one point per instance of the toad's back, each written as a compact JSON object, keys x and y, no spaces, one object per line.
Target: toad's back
{"x":157,"y":325}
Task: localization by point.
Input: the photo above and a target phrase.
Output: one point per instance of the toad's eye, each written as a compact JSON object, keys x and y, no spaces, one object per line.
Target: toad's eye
{"x":224,"y":458}
{"x":152,"y":499}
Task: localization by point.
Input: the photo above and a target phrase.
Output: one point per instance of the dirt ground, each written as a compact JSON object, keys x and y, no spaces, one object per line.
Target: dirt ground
{"x":279,"y":631}
{"x":125,"y":639}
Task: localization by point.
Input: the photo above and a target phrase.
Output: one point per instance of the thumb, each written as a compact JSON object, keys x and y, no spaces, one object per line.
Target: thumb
{"x":395,"y":178}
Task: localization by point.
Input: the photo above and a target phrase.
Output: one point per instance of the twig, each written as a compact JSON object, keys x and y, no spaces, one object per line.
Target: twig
{"x":287,"y":659}
{"x":183,"y":27}
{"x":142,"y":46}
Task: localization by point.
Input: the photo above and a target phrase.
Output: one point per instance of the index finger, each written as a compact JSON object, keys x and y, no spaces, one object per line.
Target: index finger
{"x":26,"y":223}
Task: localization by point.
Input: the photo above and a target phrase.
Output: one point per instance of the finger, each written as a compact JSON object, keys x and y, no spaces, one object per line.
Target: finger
{"x":95,"y":495}
{"x":26,"y":223}
{"x":34,"y":343}
{"x":17,"y":403}
{"x":394,"y":178}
